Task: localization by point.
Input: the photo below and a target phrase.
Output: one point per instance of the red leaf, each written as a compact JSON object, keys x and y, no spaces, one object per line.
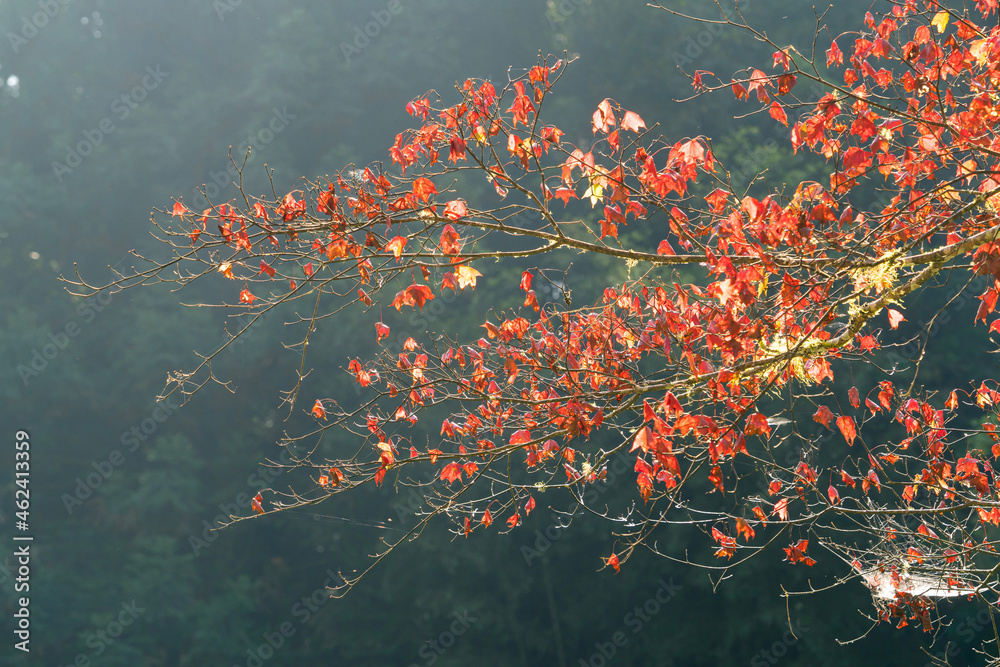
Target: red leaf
{"x":257,"y":504}
{"x":520,"y":437}
{"x":396,"y":245}
{"x":612,"y":560}
{"x":847,"y":427}
{"x":514,"y":520}
{"x":414,"y":295}
{"x":381,"y":331}
{"x":318,"y":411}
{"x":743,"y":528}
{"x":528,"y":506}
{"x":455,"y":209}
{"x":451,"y":472}
{"x":423,"y":188}
{"x":266,"y":268}
{"x":778,"y":114}
{"x":179,"y":209}
{"x":852,"y":394}
{"x":823,"y":416}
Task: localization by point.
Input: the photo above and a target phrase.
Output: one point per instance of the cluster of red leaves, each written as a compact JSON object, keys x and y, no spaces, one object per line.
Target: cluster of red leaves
{"x":793,"y":281}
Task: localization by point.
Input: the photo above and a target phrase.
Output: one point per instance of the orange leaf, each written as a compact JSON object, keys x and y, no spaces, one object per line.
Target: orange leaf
{"x":743,"y":528}
{"x":451,"y":472}
{"x":847,"y":427}
{"x":318,"y":411}
{"x":414,"y":295}
{"x":257,"y":503}
{"x":823,"y":416}
{"x":612,"y":560}
{"x":396,"y":245}
{"x":423,"y":188}
{"x":520,"y":437}
{"x":778,"y":114}
{"x":895,"y":317}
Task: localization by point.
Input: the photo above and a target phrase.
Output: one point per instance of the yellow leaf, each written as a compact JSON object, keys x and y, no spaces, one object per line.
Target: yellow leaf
{"x":466,"y":276}
{"x":940,"y":21}
{"x":226,"y":269}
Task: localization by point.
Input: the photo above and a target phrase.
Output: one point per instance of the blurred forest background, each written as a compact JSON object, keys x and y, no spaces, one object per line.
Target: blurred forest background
{"x":123,"y":489}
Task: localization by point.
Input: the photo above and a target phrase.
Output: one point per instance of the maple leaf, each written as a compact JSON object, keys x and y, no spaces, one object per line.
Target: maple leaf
{"x":423,"y":188}
{"x":778,"y":114}
{"x":847,"y":428}
{"x":450,"y":243}
{"x":466,"y":276}
{"x":179,"y":209}
{"x":823,"y":415}
{"x":256,"y":504}
{"x":451,"y":472}
{"x":743,"y":528}
{"x":781,"y":509}
{"x":604,"y":117}
{"x":895,"y":317}
{"x":246,"y":297}
{"x":414,"y":295}
{"x":852,"y":395}
{"x":396,"y":245}
{"x":381,"y":331}
{"x":520,"y":438}
{"x":318,"y":411}
{"x":455,"y":209}
{"x":940,"y":21}
{"x":266,"y":268}
{"x":631,"y":121}
{"x":612,"y":560}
